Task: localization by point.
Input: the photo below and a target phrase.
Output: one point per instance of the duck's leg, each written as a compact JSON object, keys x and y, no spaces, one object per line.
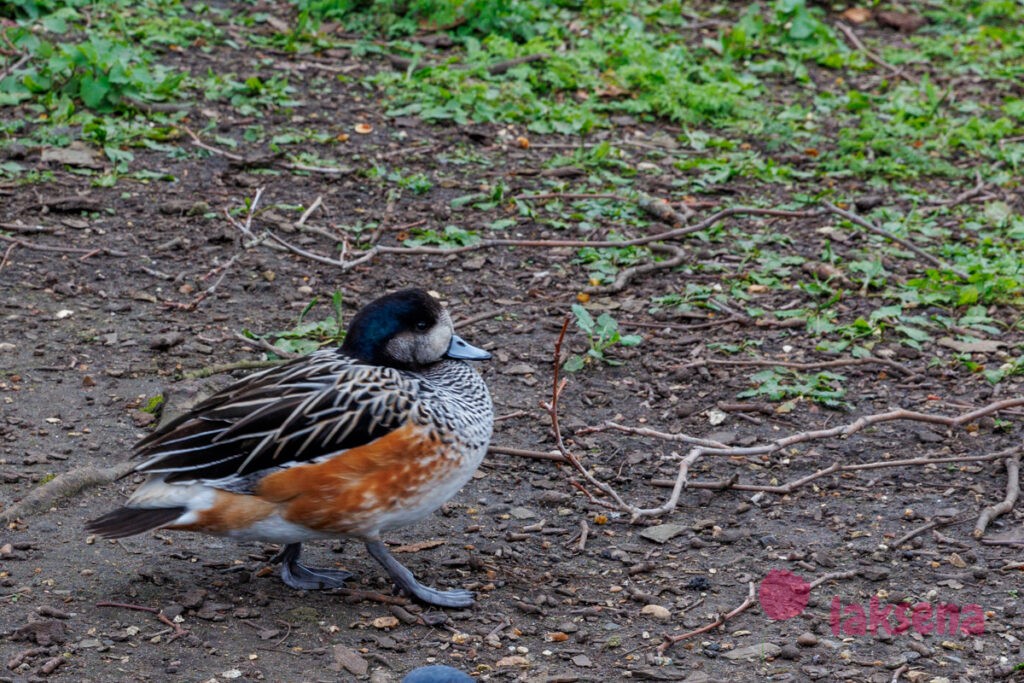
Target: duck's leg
{"x":301,"y":577}
{"x":404,"y":579}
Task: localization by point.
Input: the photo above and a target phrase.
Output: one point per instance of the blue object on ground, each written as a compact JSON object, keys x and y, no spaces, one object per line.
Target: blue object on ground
{"x":438,"y":673}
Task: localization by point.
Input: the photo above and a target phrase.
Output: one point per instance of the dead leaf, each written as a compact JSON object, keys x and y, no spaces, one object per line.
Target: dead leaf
{"x":417,"y":547}
{"x":512,"y":660}
{"x":350,"y":660}
{"x":901,"y":21}
{"x":972,"y":346}
{"x":75,"y":154}
{"x":856,"y":15}
{"x":385,"y":622}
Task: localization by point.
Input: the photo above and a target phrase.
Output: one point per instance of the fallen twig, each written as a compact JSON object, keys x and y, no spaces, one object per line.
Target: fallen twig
{"x":480,"y":317}
{"x":221,"y":271}
{"x":791,"y":486}
{"x":1005,"y":505}
{"x":270,"y":161}
{"x":976,"y":192}
{"x":932,"y":524}
{"x":868,"y":52}
{"x":264,"y":345}
{"x":7,"y":255}
{"x":64,"y":486}
{"x":832,"y":576}
{"x":64,"y":250}
{"x":14,"y":66}
{"x":626,"y":275}
{"x":357,"y":258}
{"x":557,"y":386}
{"x":701,"y":449}
{"x":871,"y":227}
{"x":669,"y":641}
{"x":795,"y":365}
{"x":211,"y":370}
{"x":522,"y":453}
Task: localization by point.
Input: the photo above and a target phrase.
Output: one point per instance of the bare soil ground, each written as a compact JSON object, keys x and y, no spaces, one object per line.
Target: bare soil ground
{"x":92,"y":332}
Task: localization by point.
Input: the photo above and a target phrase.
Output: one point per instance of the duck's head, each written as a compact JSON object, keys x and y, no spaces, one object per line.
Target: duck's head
{"x":408,"y":329}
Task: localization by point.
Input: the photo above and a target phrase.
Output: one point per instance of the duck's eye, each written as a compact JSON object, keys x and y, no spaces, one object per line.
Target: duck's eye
{"x":422,"y":325}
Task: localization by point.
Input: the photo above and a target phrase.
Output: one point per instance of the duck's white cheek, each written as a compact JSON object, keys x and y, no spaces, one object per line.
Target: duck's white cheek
{"x":437,"y":343}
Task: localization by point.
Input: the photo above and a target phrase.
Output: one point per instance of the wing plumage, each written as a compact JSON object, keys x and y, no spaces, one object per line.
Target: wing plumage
{"x":314,"y":407}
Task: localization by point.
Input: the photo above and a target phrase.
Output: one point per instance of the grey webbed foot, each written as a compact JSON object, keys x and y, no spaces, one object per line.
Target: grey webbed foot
{"x":299,"y":576}
{"x":405,"y":581}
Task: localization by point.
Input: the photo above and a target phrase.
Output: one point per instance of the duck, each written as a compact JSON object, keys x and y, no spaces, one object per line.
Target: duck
{"x":346,"y":442}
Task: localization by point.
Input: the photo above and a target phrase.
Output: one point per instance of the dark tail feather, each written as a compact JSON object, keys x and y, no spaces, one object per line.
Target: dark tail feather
{"x":130,"y":521}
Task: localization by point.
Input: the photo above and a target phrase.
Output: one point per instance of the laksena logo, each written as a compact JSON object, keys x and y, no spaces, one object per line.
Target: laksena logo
{"x":784,"y":595}
{"x":944,"y":619}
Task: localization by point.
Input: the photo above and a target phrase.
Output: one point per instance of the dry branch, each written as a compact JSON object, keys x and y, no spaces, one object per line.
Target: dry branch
{"x":663,"y":212}
{"x":1004,"y":506}
{"x":795,"y":365}
{"x":64,"y":250}
{"x":868,"y":52}
{"x":701,"y":449}
{"x":747,"y":603}
{"x":731,"y":483}
{"x":63,"y":486}
{"x":832,"y":576}
{"x":871,"y":227}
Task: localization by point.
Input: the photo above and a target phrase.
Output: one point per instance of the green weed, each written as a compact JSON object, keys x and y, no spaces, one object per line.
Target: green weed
{"x":308,"y":336}
{"x":602,"y":334}
{"x":780,"y":384}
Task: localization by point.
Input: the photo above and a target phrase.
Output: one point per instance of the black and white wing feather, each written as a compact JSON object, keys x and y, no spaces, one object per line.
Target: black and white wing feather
{"x":314,"y":407}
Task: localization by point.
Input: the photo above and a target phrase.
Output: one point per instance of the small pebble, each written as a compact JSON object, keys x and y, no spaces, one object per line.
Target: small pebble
{"x":656,"y":612}
{"x":807,"y":639}
{"x":789,"y":652}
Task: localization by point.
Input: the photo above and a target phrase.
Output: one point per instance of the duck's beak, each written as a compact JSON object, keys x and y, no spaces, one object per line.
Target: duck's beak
{"x":461,"y":350}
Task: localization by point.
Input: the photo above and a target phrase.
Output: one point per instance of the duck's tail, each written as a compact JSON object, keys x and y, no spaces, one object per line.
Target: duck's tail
{"x":128,"y":521}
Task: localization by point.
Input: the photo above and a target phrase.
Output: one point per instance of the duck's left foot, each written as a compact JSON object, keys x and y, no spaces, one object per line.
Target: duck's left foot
{"x":405,"y":581}
{"x":299,"y":576}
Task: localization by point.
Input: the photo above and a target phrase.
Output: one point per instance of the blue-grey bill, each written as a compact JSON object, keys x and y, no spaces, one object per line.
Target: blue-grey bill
{"x":462,"y":350}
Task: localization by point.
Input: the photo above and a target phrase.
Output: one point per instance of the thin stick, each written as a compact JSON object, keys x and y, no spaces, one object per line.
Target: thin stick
{"x":123,"y":605}
{"x":788,"y":488}
{"x":847,"y":574}
{"x":18,"y":227}
{"x":1004,"y":506}
{"x":192,"y":305}
{"x":870,"y":54}
{"x":7,"y":254}
{"x":230,"y":367}
{"x":672,"y":640}
{"x":15,"y":66}
{"x":914,"y":533}
{"x":359,"y":258}
{"x":264,"y":345}
{"x":63,"y":250}
{"x":845,"y":430}
{"x":486,"y":315}
{"x":198,"y":142}
{"x":794,"y":365}
{"x":309,"y":212}
{"x":977,"y":191}
{"x":569,"y":195}
{"x":522,"y":453}
{"x":557,"y":385}
{"x":871,"y":227}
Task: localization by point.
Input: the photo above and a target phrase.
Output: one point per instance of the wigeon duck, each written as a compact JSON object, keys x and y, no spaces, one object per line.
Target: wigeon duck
{"x":344,"y":442}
